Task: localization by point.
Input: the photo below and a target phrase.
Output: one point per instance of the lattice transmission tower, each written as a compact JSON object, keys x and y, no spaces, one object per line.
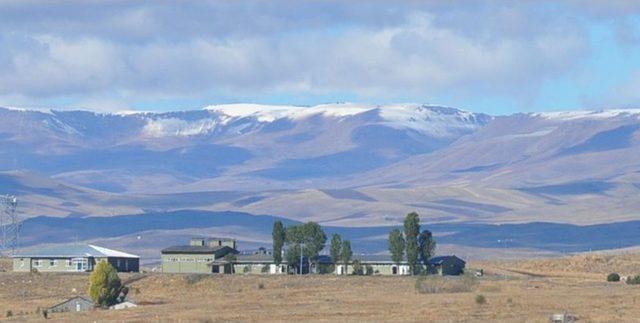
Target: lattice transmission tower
{"x":10,"y":225}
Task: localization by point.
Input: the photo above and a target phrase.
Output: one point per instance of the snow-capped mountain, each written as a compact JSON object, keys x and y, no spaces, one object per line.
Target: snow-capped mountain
{"x":338,"y":164}
{"x":256,"y":139}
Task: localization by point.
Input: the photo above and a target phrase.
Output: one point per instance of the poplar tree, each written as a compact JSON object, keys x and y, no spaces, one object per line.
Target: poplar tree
{"x":278,"y":235}
{"x":396,"y":246}
{"x":427,"y":246}
{"x":411,"y":232}
{"x":336,"y":247}
{"x":345,"y":254}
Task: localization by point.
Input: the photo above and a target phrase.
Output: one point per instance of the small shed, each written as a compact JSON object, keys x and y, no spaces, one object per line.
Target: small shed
{"x":447,"y":265}
{"x":74,"y":304}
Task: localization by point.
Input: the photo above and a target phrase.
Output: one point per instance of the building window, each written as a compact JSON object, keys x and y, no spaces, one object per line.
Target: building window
{"x":37,"y":263}
{"x":80,"y":264}
{"x":53,"y":262}
{"x":69,"y":263}
{"x":21,"y":262}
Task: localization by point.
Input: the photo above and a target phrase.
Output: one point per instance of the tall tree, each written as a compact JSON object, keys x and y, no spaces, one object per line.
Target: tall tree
{"x":104,"y":284}
{"x":278,"y":235}
{"x":345,"y":254}
{"x":396,"y":246}
{"x":336,"y":246}
{"x":411,"y":232}
{"x":427,"y":246}
{"x":310,"y":236}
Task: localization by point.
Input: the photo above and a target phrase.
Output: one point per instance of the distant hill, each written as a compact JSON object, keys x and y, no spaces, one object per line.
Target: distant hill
{"x":343,"y":165}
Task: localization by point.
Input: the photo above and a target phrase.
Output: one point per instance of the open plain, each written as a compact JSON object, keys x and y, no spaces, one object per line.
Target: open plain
{"x":515,"y":291}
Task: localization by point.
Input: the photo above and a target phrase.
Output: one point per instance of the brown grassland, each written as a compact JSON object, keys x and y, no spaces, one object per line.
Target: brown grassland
{"x":515,"y":291}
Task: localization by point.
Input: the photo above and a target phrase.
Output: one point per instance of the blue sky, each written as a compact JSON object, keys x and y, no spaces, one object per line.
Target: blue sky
{"x":497,"y":57}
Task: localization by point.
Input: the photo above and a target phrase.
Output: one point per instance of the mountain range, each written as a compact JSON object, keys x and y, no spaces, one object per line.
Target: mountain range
{"x":343,"y":165}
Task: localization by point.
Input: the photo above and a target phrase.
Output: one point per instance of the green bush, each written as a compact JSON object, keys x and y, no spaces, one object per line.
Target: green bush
{"x":9,"y":313}
{"x":105,"y":284}
{"x":635,"y":280}
{"x":613,"y":277}
{"x":481,"y":300}
{"x":369,"y":270}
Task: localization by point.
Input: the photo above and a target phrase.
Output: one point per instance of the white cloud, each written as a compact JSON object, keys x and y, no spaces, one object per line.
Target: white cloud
{"x":127,"y":51}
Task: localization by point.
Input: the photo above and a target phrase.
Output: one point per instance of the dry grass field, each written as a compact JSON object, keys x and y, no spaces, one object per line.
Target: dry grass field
{"x":515,"y":291}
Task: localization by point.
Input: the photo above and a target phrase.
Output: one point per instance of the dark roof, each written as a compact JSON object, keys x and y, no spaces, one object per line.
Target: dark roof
{"x":83,"y":298}
{"x":217,"y":250}
{"x":440,"y":259}
{"x":260,"y":257}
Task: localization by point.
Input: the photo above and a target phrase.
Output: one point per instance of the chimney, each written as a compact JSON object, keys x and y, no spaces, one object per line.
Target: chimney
{"x":222,"y":242}
{"x":197,"y":242}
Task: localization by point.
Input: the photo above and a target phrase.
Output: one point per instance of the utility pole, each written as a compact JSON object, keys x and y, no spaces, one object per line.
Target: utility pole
{"x":301,"y":246}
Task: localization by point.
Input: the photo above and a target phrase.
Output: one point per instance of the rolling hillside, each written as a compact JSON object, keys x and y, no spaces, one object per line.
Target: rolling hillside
{"x":343,"y":165}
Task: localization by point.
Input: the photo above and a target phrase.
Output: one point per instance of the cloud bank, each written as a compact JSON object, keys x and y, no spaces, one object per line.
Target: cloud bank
{"x":122,"y":52}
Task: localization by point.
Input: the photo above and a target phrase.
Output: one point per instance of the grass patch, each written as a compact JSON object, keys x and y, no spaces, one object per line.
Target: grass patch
{"x":481,"y":300}
{"x":448,"y":284}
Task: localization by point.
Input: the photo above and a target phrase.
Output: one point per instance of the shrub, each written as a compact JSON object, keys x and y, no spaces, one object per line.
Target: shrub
{"x":613,"y":277}
{"x":105,"y":284}
{"x":264,"y":269}
{"x":9,"y":313}
{"x":481,"y":300}
{"x":369,"y":270}
{"x":635,"y":280}
{"x":260,"y":286}
{"x":438,"y":284}
{"x":194,"y":278}
{"x":357,"y":268}
{"x":246,"y":269}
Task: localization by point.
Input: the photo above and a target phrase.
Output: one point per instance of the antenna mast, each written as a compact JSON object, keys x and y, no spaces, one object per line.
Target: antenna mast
{"x":10,"y":225}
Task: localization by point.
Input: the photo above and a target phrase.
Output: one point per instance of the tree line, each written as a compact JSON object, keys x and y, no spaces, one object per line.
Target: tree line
{"x":418,"y":246}
{"x":308,"y":239}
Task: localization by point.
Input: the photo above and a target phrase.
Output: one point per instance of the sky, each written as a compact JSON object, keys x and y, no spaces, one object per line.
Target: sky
{"x":497,"y":57}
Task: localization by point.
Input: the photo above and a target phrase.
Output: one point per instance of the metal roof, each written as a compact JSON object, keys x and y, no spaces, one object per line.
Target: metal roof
{"x":73,"y":251}
{"x":198,"y":249}
{"x":255,"y":258}
{"x":440,"y":259}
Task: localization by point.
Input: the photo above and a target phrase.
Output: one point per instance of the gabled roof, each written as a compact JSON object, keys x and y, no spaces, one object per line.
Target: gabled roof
{"x":441,"y":259}
{"x":83,"y":298}
{"x":74,"y":251}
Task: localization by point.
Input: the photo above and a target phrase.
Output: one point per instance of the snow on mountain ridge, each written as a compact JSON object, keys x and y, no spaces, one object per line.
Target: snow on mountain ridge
{"x":586,"y":114}
{"x":427,"y":119}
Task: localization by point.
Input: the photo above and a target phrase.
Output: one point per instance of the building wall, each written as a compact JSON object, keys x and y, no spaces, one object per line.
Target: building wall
{"x":452,"y":267}
{"x":187,"y":263}
{"x":125,"y":265}
{"x":46,"y":264}
{"x":259,"y":268}
{"x":378,"y":269}
{"x":61,"y":264}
